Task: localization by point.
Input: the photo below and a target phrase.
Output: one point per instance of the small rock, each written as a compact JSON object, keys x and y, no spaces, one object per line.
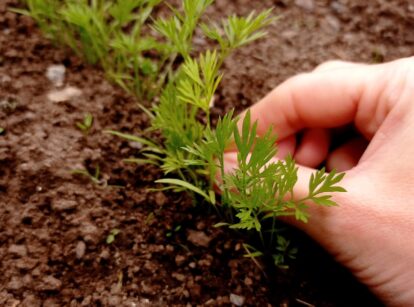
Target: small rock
{"x":32,"y":301}
{"x":50,"y":283}
{"x":178,"y":276}
{"x":104,"y":254}
{"x":135,"y":145}
{"x":26,"y":263}
{"x":90,"y":232}
{"x":15,"y":283}
{"x":237,"y":299}
{"x":339,"y":8}
{"x":13,"y":303}
{"x":87,"y":301}
{"x":160,"y":199}
{"x":80,"y":249}
{"x":5,"y":79}
{"x":186,"y":293}
{"x":51,"y":302}
{"x":308,"y":5}
{"x":18,"y":250}
{"x":201,"y":225}
{"x":192,"y":265}
{"x":27,"y":280}
{"x":56,"y":74}
{"x":332,"y":22}
{"x":198,"y":238}
{"x":114,"y":301}
{"x":64,"y":205}
{"x":180,"y":259}
{"x":204,"y":262}
{"x":64,"y":95}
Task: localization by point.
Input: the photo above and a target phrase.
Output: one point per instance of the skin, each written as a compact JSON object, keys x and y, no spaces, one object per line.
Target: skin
{"x":371,"y":231}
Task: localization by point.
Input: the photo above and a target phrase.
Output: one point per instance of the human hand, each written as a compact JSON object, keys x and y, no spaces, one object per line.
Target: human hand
{"x":371,"y":231}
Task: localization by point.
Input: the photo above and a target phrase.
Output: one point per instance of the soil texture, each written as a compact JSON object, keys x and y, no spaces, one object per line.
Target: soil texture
{"x":66,"y":240}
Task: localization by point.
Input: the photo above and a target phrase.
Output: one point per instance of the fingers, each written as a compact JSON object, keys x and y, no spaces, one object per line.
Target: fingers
{"x":336,"y":64}
{"x":346,"y":156}
{"x":332,"y":96}
{"x":286,"y":147}
{"x":313,"y":148}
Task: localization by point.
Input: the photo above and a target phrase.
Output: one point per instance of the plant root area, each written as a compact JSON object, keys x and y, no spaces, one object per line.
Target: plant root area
{"x":66,"y":240}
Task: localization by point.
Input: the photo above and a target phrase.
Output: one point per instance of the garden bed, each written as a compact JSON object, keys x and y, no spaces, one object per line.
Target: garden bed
{"x":54,"y":226}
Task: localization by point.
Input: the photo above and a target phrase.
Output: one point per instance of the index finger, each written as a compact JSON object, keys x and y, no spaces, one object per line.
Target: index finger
{"x":324,"y":99}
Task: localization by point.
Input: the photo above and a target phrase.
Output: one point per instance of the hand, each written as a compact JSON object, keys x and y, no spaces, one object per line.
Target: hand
{"x":371,"y":231}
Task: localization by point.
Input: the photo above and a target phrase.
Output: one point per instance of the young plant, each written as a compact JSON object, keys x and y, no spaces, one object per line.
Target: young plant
{"x":86,"y":125}
{"x":95,"y":177}
{"x":107,"y":33}
{"x":193,"y":152}
{"x":111,"y":34}
{"x":112,"y":236}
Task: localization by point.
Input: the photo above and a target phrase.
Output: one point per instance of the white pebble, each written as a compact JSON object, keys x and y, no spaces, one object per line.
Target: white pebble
{"x":56,"y":74}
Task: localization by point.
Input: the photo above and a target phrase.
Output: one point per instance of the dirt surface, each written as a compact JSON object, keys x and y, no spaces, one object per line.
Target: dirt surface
{"x":54,"y":226}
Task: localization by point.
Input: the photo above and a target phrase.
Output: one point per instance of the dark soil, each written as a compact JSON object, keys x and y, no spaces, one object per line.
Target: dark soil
{"x":54,"y":225}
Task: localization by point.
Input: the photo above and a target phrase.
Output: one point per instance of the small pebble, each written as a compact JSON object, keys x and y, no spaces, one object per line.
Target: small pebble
{"x":15,"y":283}
{"x":65,"y":94}
{"x":160,"y":199}
{"x":178,"y":276}
{"x":237,"y":299}
{"x":80,"y":249}
{"x":56,"y":74}
{"x":18,"y":250}
{"x":308,"y":5}
{"x":64,"y":205}
{"x":50,"y":283}
{"x":180,"y":259}
{"x":198,"y":238}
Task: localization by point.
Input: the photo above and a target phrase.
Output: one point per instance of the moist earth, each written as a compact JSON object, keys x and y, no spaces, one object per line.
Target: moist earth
{"x":69,"y":240}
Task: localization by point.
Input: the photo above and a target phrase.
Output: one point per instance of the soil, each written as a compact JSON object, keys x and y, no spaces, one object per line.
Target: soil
{"x":54,"y":226}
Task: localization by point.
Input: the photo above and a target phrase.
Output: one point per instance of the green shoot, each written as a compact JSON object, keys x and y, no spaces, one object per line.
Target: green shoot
{"x":283,"y":251}
{"x":95,"y":177}
{"x":179,"y":29}
{"x":252,"y":253}
{"x":109,"y":34}
{"x":112,"y":235}
{"x":239,"y":31}
{"x":86,"y":125}
{"x":165,"y":68}
{"x":176,"y":229}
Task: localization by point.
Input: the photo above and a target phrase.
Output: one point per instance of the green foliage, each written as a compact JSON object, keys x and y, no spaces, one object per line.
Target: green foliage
{"x":95,"y":177}
{"x":283,"y":251}
{"x":86,"y":125}
{"x":179,"y":29}
{"x":116,"y":35}
{"x":238,"y":31}
{"x":112,"y":235}
{"x":108,"y":33}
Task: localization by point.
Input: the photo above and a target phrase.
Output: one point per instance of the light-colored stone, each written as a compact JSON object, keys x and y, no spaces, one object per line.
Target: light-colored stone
{"x":56,"y":74}
{"x":80,"y":249}
{"x":237,"y":300}
{"x":198,"y":238}
{"x":65,"y":94}
{"x":64,"y":205}
{"x":308,"y":5}
{"x":18,"y":250}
